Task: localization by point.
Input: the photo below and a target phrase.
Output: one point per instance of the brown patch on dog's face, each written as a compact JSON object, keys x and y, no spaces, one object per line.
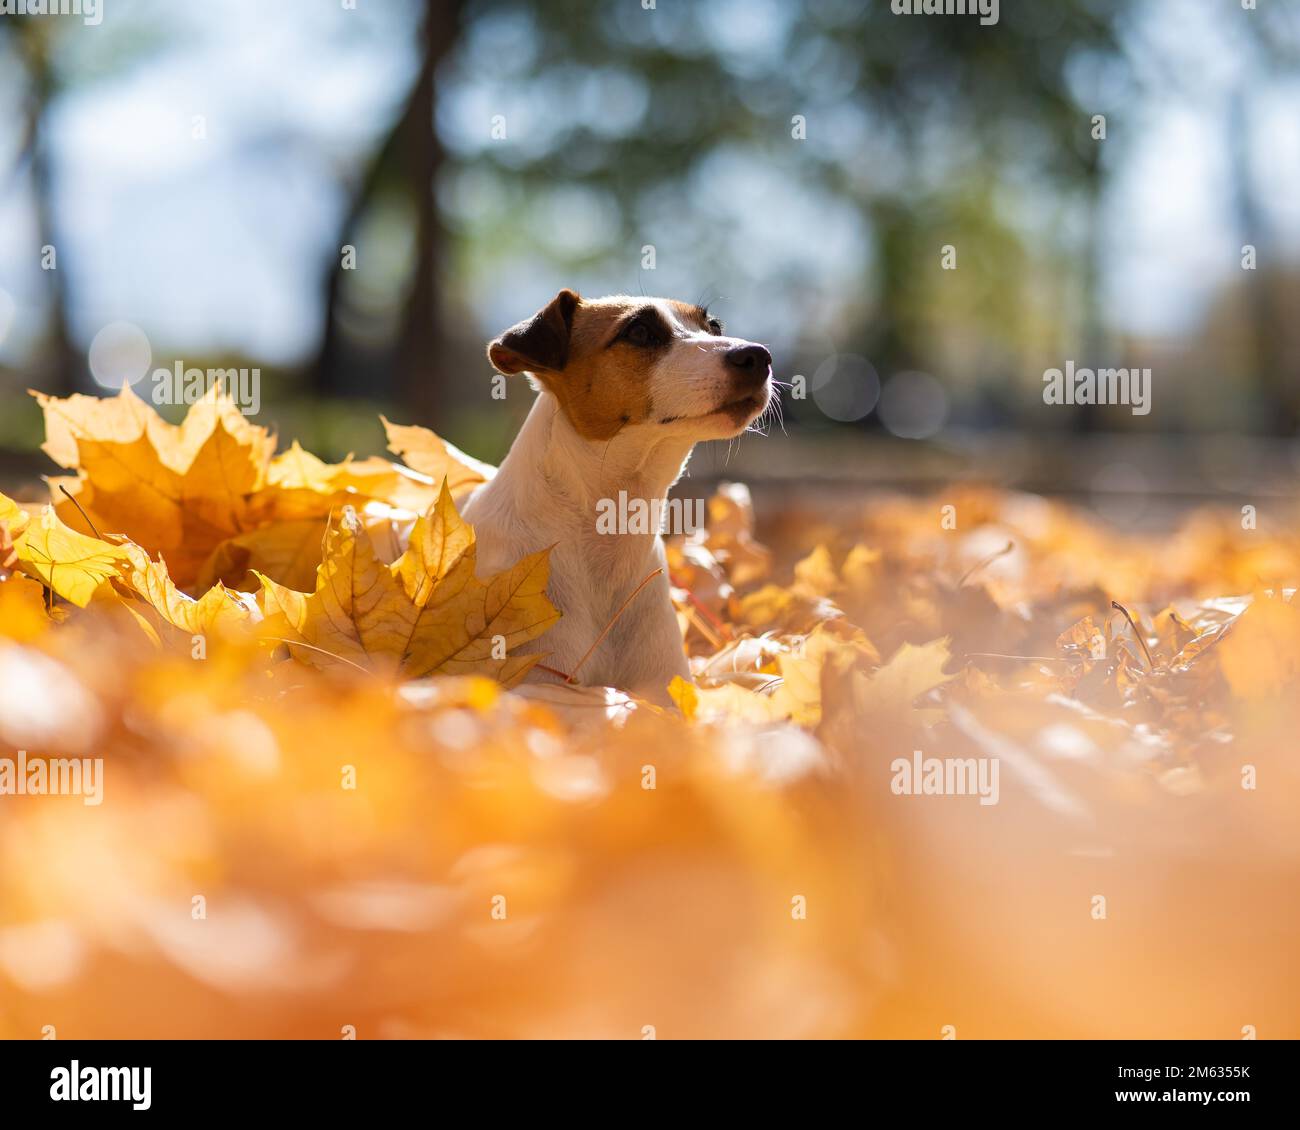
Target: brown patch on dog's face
{"x":601,"y":377}
{"x":606,"y":386}
{"x":617,"y":363}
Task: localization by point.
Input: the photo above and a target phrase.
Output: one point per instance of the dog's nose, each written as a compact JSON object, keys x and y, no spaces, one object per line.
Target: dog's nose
{"x":752,"y":361}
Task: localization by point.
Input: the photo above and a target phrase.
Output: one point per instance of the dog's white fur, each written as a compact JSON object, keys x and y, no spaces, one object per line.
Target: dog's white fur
{"x":547,"y":490}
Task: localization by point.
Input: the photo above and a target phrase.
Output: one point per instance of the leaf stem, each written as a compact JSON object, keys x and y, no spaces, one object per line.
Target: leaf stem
{"x":1136,"y":634}
{"x":552,"y":671}
{"x":323,"y":651}
{"x":992,"y":557}
{"x":81,"y":512}
{"x":613,"y":620}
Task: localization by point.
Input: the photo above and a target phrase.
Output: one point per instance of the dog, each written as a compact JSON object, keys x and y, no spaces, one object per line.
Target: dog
{"x":626,"y":388}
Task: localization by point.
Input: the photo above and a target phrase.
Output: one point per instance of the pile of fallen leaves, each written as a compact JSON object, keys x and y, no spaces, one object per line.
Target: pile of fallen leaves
{"x":333,"y":802}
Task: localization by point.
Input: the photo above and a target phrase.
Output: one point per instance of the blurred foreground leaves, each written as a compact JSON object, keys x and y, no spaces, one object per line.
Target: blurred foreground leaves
{"x":438,"y":855}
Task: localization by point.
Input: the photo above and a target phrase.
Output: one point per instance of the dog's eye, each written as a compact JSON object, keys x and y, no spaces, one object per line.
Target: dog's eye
{"x":715,"y":327}
{"x":639,"y":333}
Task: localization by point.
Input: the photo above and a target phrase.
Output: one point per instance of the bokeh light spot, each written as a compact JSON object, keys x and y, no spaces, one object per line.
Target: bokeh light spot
{"x":120,"y":352}
{"x":845,"y":387}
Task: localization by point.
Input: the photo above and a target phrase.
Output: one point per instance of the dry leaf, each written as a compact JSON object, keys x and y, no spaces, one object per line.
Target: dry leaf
{"x":218,"y":611}
{"x":426,"y":612}
{"x":175,"y":490}
{"x":676,"y":843}
{"x":431,"y":455}
{"x":1260,"y":655}
{"x":71,"y":564}
{"x":886,"y":699}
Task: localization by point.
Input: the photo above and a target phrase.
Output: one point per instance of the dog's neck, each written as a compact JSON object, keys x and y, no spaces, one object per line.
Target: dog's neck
{"x":553,"y":473}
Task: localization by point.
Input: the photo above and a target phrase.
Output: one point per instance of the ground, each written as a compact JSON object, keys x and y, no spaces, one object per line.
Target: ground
{"x":955,"y":763}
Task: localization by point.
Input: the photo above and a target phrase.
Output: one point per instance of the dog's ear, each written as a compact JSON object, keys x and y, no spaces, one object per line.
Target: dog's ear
{"x":540,"y":344}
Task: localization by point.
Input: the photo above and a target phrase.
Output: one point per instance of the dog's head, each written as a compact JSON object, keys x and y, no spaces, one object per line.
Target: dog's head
{"x":622,"y":363}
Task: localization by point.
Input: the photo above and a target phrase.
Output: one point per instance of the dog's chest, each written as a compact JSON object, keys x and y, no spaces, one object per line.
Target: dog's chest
{"x":597,"y":594}
{"x":590,"y":580}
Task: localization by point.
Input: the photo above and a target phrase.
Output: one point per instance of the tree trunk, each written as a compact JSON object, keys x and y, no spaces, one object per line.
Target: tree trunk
{"x":1276,"y":374}
{"x":411,"y":155}
{"x":61,"y":370}
{"x":420,"y":336}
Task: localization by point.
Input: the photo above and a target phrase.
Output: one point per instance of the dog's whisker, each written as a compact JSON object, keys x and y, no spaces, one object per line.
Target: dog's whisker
{"x":778,"y":412}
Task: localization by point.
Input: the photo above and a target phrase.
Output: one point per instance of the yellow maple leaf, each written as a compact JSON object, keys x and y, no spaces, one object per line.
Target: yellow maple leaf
{"x":120,"y":419}
{"x":8,"y":555}
{"x":22,"y":609}
{"x":728,"y":702}
{"x":686,"y":696}
{"x":799,"y":697}
{"x":126,"y":418}
{"x":176,"y":490}
{"x":16,"y":520}
{"x":427,"y":612}
{"x":297,"y":469}
{"x":217,"y":611}
{"x":1260,"y":655}
{"x":792,"y":693}
{"x":71,"y":564}
{"x":860,"y":569}
{"x":1084,"y":640}
{"x":288,"y":552}
{"x":885,"y":699}
{"x":792,"y":608}
{"x":431,"y":455}
{"x":730,"y":535}
{"x":815,"y":574}
{"x":211,"y":497}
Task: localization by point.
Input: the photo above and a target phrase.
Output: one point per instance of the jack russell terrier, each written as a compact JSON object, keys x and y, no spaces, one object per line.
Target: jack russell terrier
{"x":627,"y":387}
